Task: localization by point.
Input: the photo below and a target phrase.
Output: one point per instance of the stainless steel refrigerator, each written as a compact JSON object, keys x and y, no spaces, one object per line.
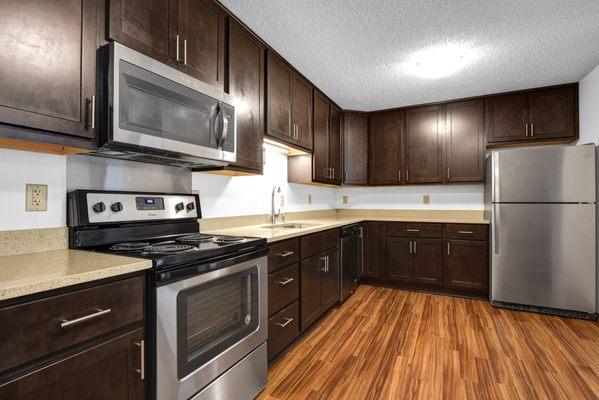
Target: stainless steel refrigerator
{"x":541,"y":203}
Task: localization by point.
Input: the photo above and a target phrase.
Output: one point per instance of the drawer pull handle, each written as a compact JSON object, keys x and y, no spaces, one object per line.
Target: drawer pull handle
{"x":286,"y":281}
{"x":284,"y":324}
{"x":412,"y":230}
{"x":285,"y":254}
{"x":65,"y":323}
{"x":142,"y":362}
{"x":465,"y":232}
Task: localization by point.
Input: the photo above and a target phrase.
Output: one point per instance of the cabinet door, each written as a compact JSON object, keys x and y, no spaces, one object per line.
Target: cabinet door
{"x":301,"y":110}
{"x":310,"y":299}
{"x":355,"y":148}
{"x":330,"y":280}
{"x":398,"y":259}
{"x":424,"y":144}
{"x":467,"y":265}
{"x":335,"y":144}
{"x":202,"y":40}
{"x":320,"y":156}
{"x":427,"y":261}
{"x":386,"y":148}
{"x":552,"y":113}
{"x":278,"y":98}
{"x":246,"y":84}
{"x":374,"y":256}
{"x":464,"y":127}
{"x":149,"y":27}
{"x":507,"y":117}
{"x":48,"y":64}
{"x":107,"y":371}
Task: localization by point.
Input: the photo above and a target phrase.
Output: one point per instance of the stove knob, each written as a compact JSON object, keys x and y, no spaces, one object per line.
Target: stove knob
{"x":99,"y":207}
{"x":179,"y":206}
{"x":191,"y":206}
{"x":117,"y":207}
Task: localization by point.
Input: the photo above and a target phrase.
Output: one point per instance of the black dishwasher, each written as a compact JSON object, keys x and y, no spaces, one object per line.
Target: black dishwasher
{"x":351,"y":259}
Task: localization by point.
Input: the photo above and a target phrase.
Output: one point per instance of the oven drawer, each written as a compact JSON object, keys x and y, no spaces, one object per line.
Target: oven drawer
{"x":466,"y":231}
{"x":32,"y":330}
{"x":415,"y":229}
{"x":319,"y":242}
{"x":283,"y":254}
{"x":283,"y":327}
{"x":283,"y":288}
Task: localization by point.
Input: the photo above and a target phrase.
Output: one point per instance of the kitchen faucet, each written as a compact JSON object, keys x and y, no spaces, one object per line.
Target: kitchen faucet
{"x":273,"y":215}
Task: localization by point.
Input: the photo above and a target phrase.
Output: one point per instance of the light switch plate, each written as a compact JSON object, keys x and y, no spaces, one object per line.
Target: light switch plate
{"x":36,"y":198}
{"x":426,"y":199}
{"x":309,"y":199}
{"x":345,"y":199}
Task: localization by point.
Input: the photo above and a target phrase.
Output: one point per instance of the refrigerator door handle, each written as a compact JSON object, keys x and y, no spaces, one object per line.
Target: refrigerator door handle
{"x":495,"y":178}
{"x":495,"y":222}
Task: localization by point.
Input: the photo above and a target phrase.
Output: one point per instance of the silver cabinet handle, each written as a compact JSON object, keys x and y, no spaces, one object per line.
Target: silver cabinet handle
{"x":526,"y":133}
{"x":284,"y":324}
{"x":399,"y":175}
{"x":285,"y":281}
{"x":92,"y":119}
{"x":407,"y":175}
{"x":184,"y":51}
{"x":65,"y":323}
{"x":333,"y":174}
{"x":410,"y":247}
{"x":532,"y":129}
{"x":447,"y":173}
{"x":448,"y":248}
{"x":296,"y":132}
{"x":285,"y":254}
{"x":324,"y":260}
{"x":177,"y":50}
{"x":412,"y":230}
{"x":142,"y":362}
{"x":415,"y":242}
{"x":465,"y":232}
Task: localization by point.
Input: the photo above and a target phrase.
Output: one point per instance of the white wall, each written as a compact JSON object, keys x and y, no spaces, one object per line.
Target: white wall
{"x":589,"y":108}
{"x":17,"y":168}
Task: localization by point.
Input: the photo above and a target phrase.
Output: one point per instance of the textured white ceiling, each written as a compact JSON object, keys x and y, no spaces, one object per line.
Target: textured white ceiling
{"x":352,"y":49}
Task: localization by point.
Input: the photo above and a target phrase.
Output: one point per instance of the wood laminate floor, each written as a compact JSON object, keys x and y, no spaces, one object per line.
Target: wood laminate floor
{"x":391,"y":344}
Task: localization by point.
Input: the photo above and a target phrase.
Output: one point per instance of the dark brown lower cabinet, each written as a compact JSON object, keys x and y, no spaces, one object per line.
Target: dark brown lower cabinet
{"x":107,"y":371}
{"x":398,"y":258}
{"x":427,"y":261}
{"x":465,"y":259}
{"x":374,"y":250}
{"x":283,"y":327}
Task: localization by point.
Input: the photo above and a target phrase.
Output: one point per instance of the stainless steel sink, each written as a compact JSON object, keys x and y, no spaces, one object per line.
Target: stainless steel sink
{"x":294,"y":225}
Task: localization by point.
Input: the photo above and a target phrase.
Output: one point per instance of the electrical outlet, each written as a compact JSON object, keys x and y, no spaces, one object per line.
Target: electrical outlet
{"x":309,"y":199}
{"x":345,"y":199}
{"x":36,"y":198}
{"x":426,"y":199}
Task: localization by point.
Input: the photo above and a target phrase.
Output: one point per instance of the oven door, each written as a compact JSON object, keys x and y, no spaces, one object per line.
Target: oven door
{"x":206,"y":324}
{"x":158,"y":109}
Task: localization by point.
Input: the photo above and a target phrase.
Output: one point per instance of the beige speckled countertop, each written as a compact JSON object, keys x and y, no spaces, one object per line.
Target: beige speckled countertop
{"x":30,"y":273}
{"x":320,"y":224}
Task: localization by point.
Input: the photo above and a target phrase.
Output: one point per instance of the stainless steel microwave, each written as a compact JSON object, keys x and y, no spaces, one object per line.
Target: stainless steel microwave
{"x":151,"y":112}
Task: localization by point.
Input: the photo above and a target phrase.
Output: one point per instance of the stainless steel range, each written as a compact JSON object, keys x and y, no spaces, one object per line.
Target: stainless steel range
{"x":207,"y":295}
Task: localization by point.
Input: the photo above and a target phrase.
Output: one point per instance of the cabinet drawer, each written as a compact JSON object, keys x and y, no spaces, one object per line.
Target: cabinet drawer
{"x":415,"y":229}
{"x":467,"y":231}
{"x":319,"y":242}
{"x":283,"y":327}
{"x":282,"y":254}
{"x":38,"y":328}
{"x":283,"y":288}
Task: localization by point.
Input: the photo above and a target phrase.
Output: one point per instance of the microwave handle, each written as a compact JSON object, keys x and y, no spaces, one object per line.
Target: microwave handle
{"x":225,"y":130}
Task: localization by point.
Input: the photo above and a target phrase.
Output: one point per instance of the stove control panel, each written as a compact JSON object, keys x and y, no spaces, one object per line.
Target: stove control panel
{"x":109,"y":207}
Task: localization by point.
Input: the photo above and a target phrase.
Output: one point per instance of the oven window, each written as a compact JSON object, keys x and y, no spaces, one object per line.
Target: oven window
{"x":153,"y":105}
{"x":214,"y":316}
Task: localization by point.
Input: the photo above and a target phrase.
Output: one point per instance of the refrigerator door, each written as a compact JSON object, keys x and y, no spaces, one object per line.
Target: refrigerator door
{"x":544,"y":255}
{"x":561,"y":174}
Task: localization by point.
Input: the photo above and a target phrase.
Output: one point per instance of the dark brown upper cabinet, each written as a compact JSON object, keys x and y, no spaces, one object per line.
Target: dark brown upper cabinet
{"x":355,"y":148}
{"x":246,"y":85}
{"x":335,"y":144}
{"x":288,"y":104}
{"x":326,"y":158}
{"x":549,"y":114}
{"x":424,"y":144}
{"x":465,"y":147}
{"x":186,"y":34}
{"x":386,"y":152}
{"x":48,"y":66}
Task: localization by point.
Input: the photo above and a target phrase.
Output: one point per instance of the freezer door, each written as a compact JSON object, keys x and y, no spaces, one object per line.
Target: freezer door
{"x":544,"y":255}
{"x":560,"y":174}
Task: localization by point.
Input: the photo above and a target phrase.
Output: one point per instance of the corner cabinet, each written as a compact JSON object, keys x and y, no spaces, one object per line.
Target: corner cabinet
{"x":355,"y":148}
{"x":288,"y":104}
{"x":386,"y":150}
{"x":533,"y":117}
{"x":48,"y":70}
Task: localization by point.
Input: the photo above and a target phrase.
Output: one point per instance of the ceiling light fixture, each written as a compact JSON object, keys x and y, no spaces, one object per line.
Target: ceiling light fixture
{"x":440,"y":61}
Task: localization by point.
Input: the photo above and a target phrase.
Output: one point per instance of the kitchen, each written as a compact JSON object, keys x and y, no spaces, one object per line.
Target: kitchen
{"x":250,"y":199}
